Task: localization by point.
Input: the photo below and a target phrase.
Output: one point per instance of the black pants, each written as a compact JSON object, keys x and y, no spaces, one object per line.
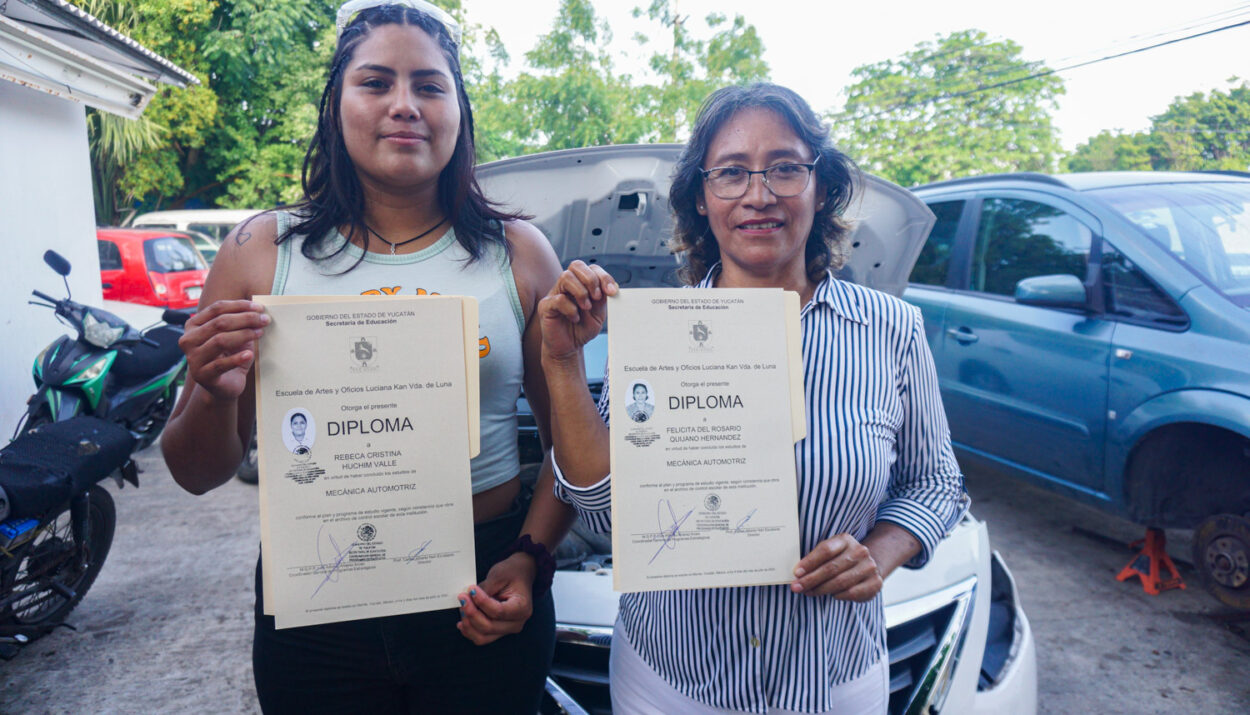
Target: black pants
{"x":415,"y":663}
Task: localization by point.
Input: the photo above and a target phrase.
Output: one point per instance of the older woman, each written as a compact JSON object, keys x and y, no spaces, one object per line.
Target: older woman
{"x":758,"y":197}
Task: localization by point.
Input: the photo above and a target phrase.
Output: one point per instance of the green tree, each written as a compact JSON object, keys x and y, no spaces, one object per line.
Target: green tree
{"x":1205,"y":131}
{"x":571,"y":94}
{"x":268,"y":60}
{"x":1200,"y":131}
{"x":692,"y":68}
{"x":1113,"y":151}
{"x":960,"y":105}
{"x":238,"y":138}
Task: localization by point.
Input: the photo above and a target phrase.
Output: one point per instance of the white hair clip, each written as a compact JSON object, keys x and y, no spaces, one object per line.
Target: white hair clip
{"x":352,"y":8}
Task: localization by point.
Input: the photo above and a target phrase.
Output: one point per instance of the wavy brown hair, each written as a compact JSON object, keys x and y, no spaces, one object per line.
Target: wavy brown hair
{"x":835,"y":172}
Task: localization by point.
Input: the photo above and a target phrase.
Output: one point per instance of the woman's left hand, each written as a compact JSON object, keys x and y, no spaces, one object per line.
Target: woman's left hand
{"x":501,"y":604}
{"x":840,"y":567}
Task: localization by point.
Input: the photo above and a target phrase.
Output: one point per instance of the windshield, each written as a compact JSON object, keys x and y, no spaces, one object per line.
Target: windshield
{"x":171,"y":254}
{"x":1206,"y":226}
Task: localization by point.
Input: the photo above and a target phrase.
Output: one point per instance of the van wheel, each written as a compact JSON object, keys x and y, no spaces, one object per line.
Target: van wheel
{"x":1222,"y":557}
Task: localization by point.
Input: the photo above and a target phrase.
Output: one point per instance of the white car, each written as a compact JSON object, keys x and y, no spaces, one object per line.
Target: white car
{"x":958,"y":639}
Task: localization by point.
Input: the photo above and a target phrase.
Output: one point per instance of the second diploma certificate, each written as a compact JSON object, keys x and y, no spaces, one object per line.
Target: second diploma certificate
{"x":706,"y":407}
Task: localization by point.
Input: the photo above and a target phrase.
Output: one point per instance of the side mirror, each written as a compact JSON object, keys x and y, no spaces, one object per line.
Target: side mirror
{"x":1056,"y":291}
{"x":56,"y":262}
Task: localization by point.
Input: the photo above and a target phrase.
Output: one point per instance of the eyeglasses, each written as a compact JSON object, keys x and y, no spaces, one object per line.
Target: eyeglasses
{"x":784,"y":180}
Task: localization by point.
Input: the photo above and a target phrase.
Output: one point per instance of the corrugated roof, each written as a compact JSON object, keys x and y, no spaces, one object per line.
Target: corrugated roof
{"x":85,"y":33}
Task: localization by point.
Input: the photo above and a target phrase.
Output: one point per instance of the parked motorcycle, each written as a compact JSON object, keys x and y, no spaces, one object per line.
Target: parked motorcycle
{"x":56,"y":522}
{"x":108,"y":370}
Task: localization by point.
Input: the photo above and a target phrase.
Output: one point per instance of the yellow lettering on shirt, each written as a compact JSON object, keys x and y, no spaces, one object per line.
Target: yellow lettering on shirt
{"x":483,"y":344}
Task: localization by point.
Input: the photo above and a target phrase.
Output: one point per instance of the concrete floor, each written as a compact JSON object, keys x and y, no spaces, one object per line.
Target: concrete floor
{"x":167,"y":627}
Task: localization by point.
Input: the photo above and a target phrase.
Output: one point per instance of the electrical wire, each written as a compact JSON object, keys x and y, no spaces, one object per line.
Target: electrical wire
{"x":906,"y":103}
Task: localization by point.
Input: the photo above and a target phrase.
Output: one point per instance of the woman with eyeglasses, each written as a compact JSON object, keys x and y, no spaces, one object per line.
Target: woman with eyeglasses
{"x":758,"y":197}
{"x":391,"y":207}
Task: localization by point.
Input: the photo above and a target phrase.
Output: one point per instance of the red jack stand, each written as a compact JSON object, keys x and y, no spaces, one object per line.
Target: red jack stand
{"x":1150,"y":562}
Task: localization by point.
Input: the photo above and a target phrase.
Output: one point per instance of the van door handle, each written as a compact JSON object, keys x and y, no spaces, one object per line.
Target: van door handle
{"x":963,"y":335}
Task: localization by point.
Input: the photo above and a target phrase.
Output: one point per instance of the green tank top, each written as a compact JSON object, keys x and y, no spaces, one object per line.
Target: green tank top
{"x":443,"y":268}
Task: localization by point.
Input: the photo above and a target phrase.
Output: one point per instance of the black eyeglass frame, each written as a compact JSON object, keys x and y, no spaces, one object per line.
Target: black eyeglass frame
{"x":746,"y":186}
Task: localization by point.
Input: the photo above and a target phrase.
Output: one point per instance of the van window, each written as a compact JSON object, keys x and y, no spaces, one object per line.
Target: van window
{"x":1130,"y":295}
{"x":1019,"y":239}
{"x":216,"y":230}
{"x":935,"y":257}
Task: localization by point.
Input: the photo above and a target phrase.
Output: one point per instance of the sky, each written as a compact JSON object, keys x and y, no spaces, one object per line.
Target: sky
{"x":812,"y":46}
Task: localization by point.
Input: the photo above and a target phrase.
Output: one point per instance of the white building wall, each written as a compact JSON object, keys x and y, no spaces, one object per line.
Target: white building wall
{"x":45,"y":202}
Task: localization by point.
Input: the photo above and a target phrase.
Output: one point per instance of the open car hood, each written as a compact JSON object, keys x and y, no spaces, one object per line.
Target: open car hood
{"x":609,"y":205}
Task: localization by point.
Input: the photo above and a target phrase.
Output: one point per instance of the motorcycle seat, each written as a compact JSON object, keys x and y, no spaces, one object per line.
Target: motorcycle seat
{"x":42,"y":469}
{"x":145,"y":361}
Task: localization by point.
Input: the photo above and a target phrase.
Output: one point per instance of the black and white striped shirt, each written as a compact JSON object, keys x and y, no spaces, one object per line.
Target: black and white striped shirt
{"x":878,"y":449}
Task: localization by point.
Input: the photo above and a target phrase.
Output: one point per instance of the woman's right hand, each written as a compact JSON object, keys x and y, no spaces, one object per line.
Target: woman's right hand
{"x":574,"y":312}
{"x":220,"y":344}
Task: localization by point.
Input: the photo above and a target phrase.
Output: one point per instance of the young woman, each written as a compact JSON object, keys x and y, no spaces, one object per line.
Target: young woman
{"x":392,"y":208}
{"x":758,"y":197}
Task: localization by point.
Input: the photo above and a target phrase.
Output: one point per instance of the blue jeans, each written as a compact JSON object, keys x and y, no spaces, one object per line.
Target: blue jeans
{"x":414,"y":663}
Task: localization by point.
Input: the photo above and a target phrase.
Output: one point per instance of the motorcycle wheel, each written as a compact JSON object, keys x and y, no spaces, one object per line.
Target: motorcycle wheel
{"x":249,"y":470}
{"x":58,"y":569}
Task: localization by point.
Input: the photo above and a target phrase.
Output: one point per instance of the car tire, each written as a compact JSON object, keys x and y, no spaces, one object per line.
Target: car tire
{"x":1222,"y":558}
{"x":249,"y":469}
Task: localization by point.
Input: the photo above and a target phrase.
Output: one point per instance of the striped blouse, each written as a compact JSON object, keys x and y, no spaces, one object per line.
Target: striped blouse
{"x":878,"y":449}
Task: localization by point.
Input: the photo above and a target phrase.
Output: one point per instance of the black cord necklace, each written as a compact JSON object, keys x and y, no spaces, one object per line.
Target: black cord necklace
{"x":419,"y":236}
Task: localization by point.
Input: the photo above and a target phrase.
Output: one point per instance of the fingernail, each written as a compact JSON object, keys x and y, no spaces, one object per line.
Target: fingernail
{"x":796,"y":587}
{"x":472,"y":592}
{"x":264,"y":318}
{"x":462,"y":602}
{"x":798,"y":573}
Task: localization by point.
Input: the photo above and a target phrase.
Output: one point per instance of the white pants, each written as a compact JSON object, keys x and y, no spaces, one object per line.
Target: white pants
{"x":639,"y":690}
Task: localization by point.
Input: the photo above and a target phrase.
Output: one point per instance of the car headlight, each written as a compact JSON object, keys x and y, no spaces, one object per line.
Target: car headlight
{"x":100,"y":333}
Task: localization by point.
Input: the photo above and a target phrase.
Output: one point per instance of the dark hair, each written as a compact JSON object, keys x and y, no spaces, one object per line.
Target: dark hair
{"x":835,"y":173}
{"x":332,"y":191}
{"x":300,"y":415}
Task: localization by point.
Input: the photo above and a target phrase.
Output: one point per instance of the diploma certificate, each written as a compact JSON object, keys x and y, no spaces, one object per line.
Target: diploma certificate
{"x":365,"y":432}
{"x":704,"y":417}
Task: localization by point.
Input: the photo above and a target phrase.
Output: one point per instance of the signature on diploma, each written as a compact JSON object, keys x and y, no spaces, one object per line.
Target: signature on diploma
{"x":745,"y":519}
{"x":331,"y":570}
{"x":412,"y":555}
{"x":668,"y":531}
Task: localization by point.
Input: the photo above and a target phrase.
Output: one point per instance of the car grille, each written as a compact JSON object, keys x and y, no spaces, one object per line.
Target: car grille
{"x":580,"y":667}
{"x":912,"y":646}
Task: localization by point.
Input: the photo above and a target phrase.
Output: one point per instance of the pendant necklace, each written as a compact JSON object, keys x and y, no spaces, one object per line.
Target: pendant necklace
{"x":419,"y":236}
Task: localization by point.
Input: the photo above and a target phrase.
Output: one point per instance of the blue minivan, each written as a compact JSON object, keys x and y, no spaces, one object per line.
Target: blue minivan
{"x":1092,"y":335}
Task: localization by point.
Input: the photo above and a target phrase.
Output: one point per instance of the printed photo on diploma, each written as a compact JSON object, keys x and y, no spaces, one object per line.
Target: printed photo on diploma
{"x":642,"y":406}
{"x":299,"y":431}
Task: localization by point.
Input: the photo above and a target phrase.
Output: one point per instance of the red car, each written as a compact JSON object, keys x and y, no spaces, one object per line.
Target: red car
{"x":151,"y":267}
